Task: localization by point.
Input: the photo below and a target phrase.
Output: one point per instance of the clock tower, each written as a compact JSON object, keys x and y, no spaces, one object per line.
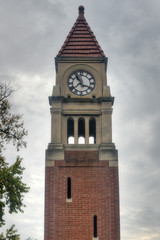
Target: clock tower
{"x":81,"y":179}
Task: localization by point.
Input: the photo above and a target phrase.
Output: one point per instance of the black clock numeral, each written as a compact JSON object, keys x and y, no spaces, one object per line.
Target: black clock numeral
{"x":71,"y":88}
{"x":90,"y":87}
{"x":91,"y":80}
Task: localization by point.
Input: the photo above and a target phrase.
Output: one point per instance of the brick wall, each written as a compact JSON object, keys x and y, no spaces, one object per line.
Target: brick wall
{"x":94,"y":191}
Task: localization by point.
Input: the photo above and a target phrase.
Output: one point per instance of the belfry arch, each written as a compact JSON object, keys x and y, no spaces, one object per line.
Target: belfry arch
{"x":70,"y":131}
{"x":81,"y":131}
{"x":92,"y":131}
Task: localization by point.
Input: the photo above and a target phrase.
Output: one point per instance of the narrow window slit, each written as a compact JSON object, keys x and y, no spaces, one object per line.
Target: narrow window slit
{"x":95,"y":226}
{"x":69,"y":188}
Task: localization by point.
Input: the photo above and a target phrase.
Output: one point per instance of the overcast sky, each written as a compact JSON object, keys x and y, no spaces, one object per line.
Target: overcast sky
{"x":31,"y":34}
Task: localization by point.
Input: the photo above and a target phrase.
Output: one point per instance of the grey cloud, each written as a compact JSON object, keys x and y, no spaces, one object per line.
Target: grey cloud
{"x":142,"y":223}
{"x":28,"y":32}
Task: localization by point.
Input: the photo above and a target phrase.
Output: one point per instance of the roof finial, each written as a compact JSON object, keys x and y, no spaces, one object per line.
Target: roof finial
{"x":81,"y":11}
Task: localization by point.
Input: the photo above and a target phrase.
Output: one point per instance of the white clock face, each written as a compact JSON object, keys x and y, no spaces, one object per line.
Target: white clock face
{"x":81,"y":83}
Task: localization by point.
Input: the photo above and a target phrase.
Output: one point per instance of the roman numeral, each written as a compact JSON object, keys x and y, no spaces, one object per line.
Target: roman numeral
{"x":90,"y":87}
{"x":91,"y":80}
{"x":71,"y":88}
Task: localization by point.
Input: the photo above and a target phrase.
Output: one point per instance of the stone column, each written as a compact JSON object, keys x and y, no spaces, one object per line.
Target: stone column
{"x":64,"y":130}
{"x":106,"y":124}
{"x":86,"y":130}
{"x":98,"y":130}
{"x":75,"y":130}
{"x":56,"y":125}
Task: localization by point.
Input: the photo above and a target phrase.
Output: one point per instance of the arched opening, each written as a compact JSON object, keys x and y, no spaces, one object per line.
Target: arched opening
{"x":91,"y":140}
{"x":71,"y":140}
{"x":95,"y":226}
{"x":70,"y":131}
{"x":81,"y":131}
{"x":81,"y":140}
{"x":92,"y":131}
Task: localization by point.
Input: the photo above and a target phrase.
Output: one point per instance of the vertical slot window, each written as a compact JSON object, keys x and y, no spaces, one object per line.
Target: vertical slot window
{"x":92,"y":131}
{"x":95,"y":226}
{"x":69,"y":188}
{"x":70,"y":131}
{"x":81,"y":131}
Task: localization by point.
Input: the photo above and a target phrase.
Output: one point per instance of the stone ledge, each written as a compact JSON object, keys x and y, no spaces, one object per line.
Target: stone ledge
{"x":54,"y":154}
{"x":50,"y":163}
{"x":108,"y":154}
{"x":113,"y":163}
{"x":68,"y":200}
{"x":104,"y":152}
{"x":81,"y":147}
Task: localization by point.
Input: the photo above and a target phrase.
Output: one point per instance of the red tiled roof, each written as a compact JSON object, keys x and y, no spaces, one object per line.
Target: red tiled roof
{"x":81,"y":41}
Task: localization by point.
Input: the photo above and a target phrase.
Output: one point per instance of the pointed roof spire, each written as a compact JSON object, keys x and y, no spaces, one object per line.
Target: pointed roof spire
{"x":81,"y":41}
{"x":81,"y":12}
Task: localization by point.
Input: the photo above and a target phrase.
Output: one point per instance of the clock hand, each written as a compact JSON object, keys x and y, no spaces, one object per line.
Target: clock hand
{"x":79,"y":79}
{"x":85,"y":85}
{"x":77,"y":85}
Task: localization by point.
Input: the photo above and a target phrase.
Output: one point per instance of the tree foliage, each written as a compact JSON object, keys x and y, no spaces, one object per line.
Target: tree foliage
{"x":12,"y":129}
{"x":11,"y":234}
{"x":29,"y":238}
